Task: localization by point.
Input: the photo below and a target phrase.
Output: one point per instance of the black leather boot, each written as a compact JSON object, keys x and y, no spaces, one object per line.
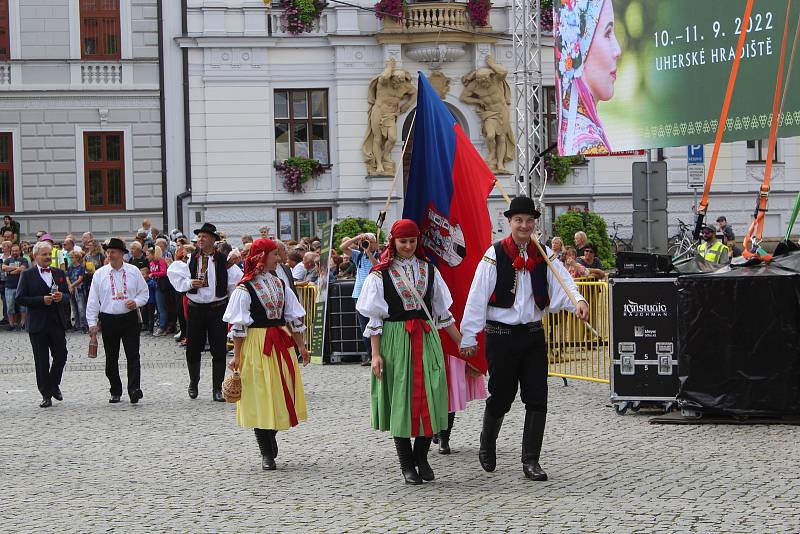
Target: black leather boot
{"x":406,"y":457}
{"x":421,"y":447}
{"x":264,"y":445}
{"x":444,"y":435}
{"x":487,"y":454}
{"x":273,"y":441}
{"x":532,"y":437}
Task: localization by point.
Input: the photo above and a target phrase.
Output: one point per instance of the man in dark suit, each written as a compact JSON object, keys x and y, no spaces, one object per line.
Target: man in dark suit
{"x":41,"y":289}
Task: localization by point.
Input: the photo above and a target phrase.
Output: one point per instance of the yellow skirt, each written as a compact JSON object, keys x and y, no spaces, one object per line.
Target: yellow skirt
{"x":272,"y":390}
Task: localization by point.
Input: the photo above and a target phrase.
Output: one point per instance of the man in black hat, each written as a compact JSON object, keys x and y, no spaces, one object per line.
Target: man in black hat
{"x":513,"y":288}
{"x":117,"y":292}
{"x":207,"y":282}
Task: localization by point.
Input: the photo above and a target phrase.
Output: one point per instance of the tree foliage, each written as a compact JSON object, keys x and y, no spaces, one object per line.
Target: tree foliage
{"x":351,"y":227}
{"x":594,"y":225}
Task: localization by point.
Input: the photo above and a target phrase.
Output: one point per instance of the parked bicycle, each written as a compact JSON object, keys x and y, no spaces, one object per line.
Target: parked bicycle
{"x":619,"y":244}
{"x":681,"y":245}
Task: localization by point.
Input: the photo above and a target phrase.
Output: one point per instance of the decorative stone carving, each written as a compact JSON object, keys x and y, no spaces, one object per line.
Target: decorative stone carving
{"x":487,"y":89}
{"x":436,"y":53}
{"x":440,"y":83}
{"x":390,"y":94}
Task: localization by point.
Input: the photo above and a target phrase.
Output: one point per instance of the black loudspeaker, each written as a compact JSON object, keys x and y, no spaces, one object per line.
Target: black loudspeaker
{"x":343,"y":337}
{"x":634,"y":264}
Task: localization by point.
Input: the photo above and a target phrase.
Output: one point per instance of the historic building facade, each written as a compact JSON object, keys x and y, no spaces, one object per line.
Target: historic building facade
{"x":258,"y":95}
{"x":80,"y":118}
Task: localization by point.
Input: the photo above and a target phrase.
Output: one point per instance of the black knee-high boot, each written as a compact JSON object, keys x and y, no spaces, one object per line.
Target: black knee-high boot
{"x":444,"y":435}
{"x":487,"y":454}
{"x":532,"y":437}
{"x":265,"y":446}
{"x":421,"y":447}
{"x":273,"y":440}
{"x":406,"y":457}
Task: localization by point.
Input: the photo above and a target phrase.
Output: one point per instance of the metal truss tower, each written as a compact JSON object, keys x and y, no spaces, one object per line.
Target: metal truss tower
{"x":528,"y":97}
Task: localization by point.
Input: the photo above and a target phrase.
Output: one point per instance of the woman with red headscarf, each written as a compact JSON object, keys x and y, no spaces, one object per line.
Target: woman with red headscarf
{"x":400,"y":297}
{"x":258,"y":312}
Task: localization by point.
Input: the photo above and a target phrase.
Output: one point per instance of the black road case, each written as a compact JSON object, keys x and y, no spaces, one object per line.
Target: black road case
{"x":644,"y":331}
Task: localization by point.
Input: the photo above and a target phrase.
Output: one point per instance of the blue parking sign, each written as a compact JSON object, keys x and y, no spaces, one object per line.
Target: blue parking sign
{"x":695,"y":154}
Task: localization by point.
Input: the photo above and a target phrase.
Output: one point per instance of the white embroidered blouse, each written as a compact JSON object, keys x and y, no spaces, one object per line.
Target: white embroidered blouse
{"x":372,"y":304}
{"x":237,"y":313}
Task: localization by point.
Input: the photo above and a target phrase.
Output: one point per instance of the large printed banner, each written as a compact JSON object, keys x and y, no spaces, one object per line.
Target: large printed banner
{"x":635,"y":74}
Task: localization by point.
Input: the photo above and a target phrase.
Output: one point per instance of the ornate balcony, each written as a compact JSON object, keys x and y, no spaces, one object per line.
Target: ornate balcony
{"x":422,"y":20}
{"x":5,"y":73}
{"x":102,"y":74}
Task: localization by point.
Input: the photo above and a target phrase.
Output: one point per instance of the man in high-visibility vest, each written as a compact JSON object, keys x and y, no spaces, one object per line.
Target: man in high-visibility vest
{"x":711,"y":249}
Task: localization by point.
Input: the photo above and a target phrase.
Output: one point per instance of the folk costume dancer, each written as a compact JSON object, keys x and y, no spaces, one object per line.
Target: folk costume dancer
{"x":207,"y":282}
{"x":41,"y":289}
{"x":409,"y":383}
{"x":512,"y":289}
{"x":118,"y":290}
{"x":258,"y":312}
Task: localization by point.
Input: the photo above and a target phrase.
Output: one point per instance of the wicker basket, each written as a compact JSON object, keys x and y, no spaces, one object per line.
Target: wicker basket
{"x":232,"y":387}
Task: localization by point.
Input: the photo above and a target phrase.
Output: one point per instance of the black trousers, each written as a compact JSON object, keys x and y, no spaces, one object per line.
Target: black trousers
{"x":125,"y":328}
{"x":204,"y":321}
{"x":50,"y":341}
{"x":516,"y":360}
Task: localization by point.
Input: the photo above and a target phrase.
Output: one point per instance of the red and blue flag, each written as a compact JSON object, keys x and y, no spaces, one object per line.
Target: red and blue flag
{"x":448,"y":187}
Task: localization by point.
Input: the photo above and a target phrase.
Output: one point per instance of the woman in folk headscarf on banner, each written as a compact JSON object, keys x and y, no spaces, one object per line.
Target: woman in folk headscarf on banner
{"x":258,"y":312}
{"x":400,"y":297}
{"x":586,"y":51}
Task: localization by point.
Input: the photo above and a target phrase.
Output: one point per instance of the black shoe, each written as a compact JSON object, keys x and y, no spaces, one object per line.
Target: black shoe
{"x":218,"y":396}
{"x":534,"y":472}
{"x":57,"y":394}
{"x":406,"y":457}
{"x":46,"y":402}
{"x":268,"y":463}
{"x":421,"y":447}
{"x":192,"y":391}
{"x":135,"y":395}
{"x":114,"y":399}
{"x":444,"y":435}
{"x":487,"y":454}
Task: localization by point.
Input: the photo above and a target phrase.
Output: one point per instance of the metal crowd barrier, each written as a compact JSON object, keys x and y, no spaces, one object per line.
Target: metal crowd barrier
{"x":577,"y":350}
{"x":308,"y":298}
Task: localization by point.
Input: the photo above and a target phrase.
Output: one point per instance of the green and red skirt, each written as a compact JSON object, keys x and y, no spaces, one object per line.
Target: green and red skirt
{"x":411,"y":398}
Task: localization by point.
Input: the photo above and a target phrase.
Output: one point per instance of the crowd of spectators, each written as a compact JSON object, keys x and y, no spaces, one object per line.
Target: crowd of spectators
{"x":152,"y":251}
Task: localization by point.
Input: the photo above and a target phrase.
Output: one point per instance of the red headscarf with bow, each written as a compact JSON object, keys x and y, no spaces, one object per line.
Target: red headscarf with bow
{"x":254,"y":264}
{"x":402,"y":228}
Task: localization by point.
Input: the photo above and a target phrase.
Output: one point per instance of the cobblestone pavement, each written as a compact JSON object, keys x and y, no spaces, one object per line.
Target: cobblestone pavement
{"x":171,"y":464}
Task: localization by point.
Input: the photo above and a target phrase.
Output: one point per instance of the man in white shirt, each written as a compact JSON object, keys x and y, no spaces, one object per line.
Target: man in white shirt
{"x":118,"y":290}
{"x":513,"y":288}
{"x":207,"y":281}
{"x":300,"y":270}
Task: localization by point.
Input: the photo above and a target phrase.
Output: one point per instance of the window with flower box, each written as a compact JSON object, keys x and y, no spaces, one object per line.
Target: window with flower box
{"x":301,"y":124}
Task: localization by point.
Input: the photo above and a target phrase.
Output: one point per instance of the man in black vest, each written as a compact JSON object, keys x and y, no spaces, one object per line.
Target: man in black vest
{"x":41,"y":289}
{"x":207,"y":282}
{"x":512,"y":289}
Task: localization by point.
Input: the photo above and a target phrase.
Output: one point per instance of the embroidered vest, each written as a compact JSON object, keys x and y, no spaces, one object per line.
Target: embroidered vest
{"x":503,"y":296}
{"x":397,"y":311}
{"x":220,"y":271}
{"x":259,"y":314}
